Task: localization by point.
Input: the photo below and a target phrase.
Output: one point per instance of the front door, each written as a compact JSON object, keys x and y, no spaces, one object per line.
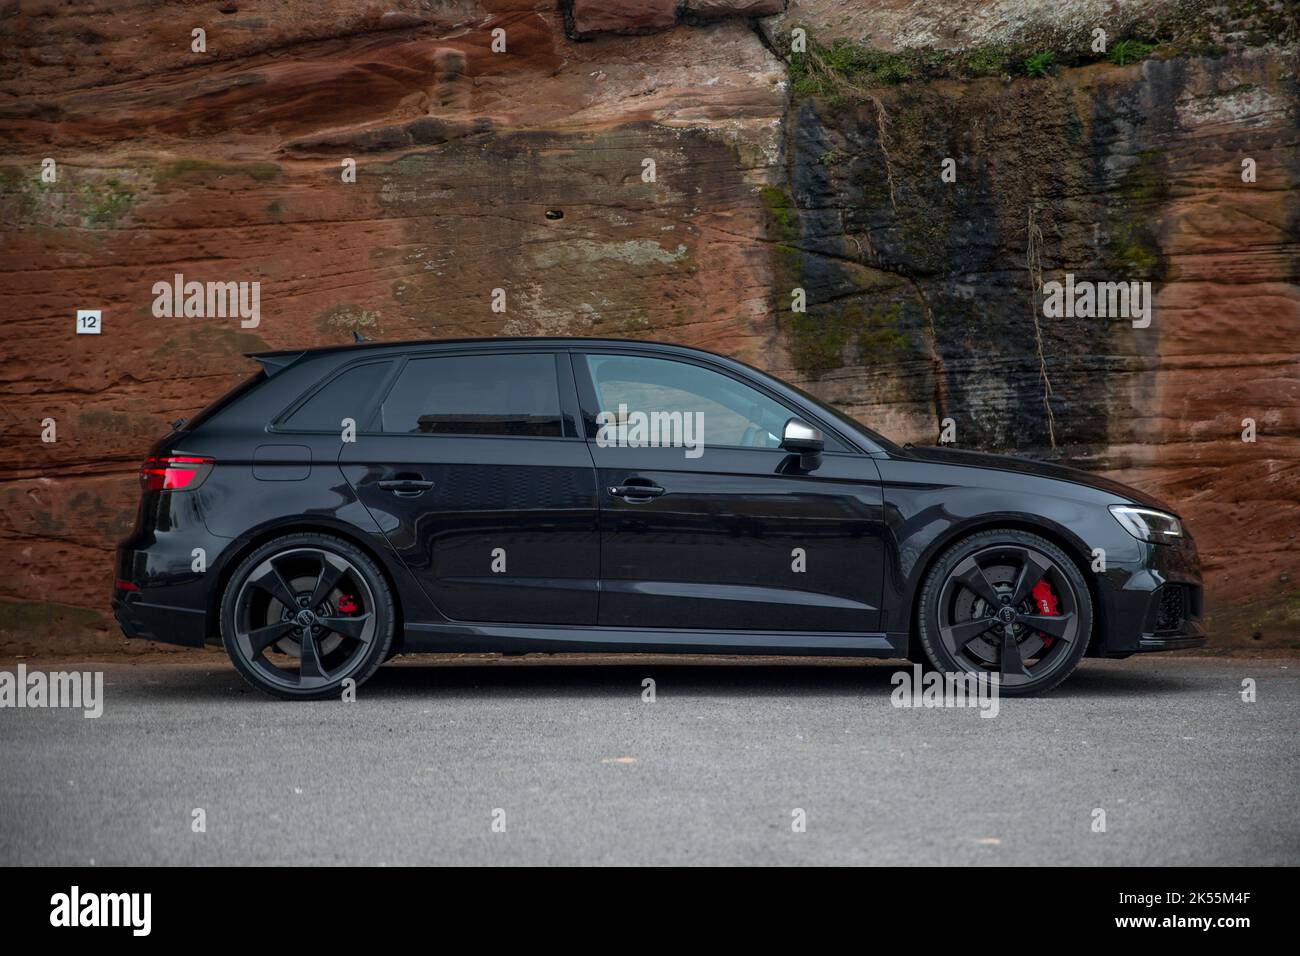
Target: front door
{"x":718,"y":530}
{"x":474,"y":469}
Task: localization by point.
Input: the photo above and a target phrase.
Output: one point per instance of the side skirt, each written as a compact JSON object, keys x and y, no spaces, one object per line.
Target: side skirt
{"x":565,"y":639}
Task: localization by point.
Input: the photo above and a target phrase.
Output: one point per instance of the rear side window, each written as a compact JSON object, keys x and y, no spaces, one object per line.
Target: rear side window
{"x":242,"y":388}
{"x":350,"y":394}
{"x":487,"y":395}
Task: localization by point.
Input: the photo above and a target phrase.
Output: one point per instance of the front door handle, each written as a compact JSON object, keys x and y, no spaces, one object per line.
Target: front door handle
{"x":633,"y":492}
{"x":406,"y":487}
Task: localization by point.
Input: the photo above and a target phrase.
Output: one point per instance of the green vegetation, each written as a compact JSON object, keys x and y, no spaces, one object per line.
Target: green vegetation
{"x":880,"y":335}
{"x":820,"y":339}
{"x":839,"y":70}
{"x":46,"y":618}
{"x":103,"y":203}
{"x":19,"y":191}
{"x":1039,"y":64}
{"x":781,"y":210}
{"x":833,"y":70}
{"x":98,"y":420}
{"x":1125,"y":52}
{"x":787,"y":261}
{"x":846,"y":69}
{"x":75,"y":201}
{"x":817,"y":342}
{"x":1134,"y":244}
{"x":203,"y":169}
{"x":988,"y":60}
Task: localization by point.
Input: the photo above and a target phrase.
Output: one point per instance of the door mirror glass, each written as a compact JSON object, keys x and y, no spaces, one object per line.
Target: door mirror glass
{"x":805,"y":441}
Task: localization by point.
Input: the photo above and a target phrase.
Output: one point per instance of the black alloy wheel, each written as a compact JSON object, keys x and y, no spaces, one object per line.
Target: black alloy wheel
{"x":304,"y":613}
{"x":1009,"y":604}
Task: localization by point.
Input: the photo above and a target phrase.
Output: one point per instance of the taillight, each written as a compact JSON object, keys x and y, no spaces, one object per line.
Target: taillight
{"x":174,"y":472}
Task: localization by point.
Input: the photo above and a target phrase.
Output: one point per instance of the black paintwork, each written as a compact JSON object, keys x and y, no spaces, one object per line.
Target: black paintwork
{"x":704,"y":567}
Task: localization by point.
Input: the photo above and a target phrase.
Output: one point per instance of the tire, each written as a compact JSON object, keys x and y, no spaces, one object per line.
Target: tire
{"x":1030,"y":651}
{"x":339,"y":626}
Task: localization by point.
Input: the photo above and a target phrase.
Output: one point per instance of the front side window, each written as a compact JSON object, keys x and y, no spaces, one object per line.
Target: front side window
{"x":483,"y":395}
{"x":729,"y":412}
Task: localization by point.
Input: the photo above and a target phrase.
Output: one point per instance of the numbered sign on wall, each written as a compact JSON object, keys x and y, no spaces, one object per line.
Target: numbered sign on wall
{"x":88,"y":321}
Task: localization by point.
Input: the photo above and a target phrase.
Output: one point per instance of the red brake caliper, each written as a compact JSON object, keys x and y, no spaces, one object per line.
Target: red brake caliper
{"x":348,"y":604}
{"x":1046,"y":602}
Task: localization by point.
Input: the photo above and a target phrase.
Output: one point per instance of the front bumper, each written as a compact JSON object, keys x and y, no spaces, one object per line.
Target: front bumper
{"x":1180,"y":642}
{"x":1154,"y":604}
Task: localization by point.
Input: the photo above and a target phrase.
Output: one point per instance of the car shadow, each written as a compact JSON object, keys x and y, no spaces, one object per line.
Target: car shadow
{"x":413,"y":678}
{"x":1113,"y":680}
{"x":621,"y":679}
{"x":795,"y":678}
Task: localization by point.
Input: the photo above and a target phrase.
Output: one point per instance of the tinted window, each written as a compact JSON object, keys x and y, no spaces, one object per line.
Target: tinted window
{"x":514,"y":395}
{"x":350,"y":394}
{"x":246,"y":385}
{"x":731,"y":412}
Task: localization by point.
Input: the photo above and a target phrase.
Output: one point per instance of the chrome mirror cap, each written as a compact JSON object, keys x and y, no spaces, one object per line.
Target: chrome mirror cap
{"x":799,"y":435}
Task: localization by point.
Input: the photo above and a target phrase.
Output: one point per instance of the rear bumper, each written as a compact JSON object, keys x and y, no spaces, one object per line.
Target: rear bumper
{"x":170,"y":599}
{"x":159,"y":622}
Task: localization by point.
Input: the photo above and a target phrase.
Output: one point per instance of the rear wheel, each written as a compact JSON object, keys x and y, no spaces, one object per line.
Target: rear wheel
{"x":1006,"y":603}
{"x":305,"y":612}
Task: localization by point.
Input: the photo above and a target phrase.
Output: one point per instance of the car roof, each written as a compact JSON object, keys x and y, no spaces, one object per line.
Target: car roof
{"x":538,"y":341}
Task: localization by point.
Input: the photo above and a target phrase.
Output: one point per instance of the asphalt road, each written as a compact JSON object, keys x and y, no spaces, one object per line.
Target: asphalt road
{"x":711,"y":772}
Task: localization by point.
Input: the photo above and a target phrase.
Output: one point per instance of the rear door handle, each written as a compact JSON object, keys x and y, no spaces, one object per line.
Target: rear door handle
{"x":409,"y":487}
{"x":630,"y":492}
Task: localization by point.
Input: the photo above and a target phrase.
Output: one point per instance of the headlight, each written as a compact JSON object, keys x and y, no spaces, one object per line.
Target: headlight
{"x":1146,"y":524}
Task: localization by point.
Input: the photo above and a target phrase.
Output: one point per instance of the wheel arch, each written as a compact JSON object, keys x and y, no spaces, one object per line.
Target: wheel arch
{"x":1073,"y":546}
{"x":246,"y":545}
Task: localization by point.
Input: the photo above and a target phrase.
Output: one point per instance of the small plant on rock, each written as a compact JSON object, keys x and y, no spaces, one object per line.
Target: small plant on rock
{"x":1039,"y":64}
{"x":1125,"y":52}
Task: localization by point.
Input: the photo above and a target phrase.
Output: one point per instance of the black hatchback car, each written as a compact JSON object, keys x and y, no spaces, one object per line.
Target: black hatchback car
{"x":514,"y":495}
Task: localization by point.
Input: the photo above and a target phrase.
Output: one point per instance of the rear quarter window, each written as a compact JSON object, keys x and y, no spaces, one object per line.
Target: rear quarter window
{"x":349,"y":394}
{"x":243,"y":388}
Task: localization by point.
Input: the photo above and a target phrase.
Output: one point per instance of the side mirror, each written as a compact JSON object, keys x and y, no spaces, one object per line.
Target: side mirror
{"x":805,"y":441}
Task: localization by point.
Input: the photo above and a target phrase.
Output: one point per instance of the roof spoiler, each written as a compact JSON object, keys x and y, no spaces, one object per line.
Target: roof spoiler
{"x":274,"y":362}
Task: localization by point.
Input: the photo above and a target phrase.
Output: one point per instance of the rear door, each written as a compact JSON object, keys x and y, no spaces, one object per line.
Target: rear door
{"x":723,"y":532}
{"x":473,"y":466}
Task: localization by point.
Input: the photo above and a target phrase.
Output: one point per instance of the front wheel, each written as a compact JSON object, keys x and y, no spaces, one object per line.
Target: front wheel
{"x":304,"y":613}
{"x":1006,"y":603}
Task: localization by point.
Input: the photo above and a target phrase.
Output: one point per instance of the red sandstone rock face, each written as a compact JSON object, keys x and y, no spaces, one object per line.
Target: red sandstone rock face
{"x":961,"y":24}
{"x":652,"y":16}
{"x":227,"y":166}
{"x":623,"y":16}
